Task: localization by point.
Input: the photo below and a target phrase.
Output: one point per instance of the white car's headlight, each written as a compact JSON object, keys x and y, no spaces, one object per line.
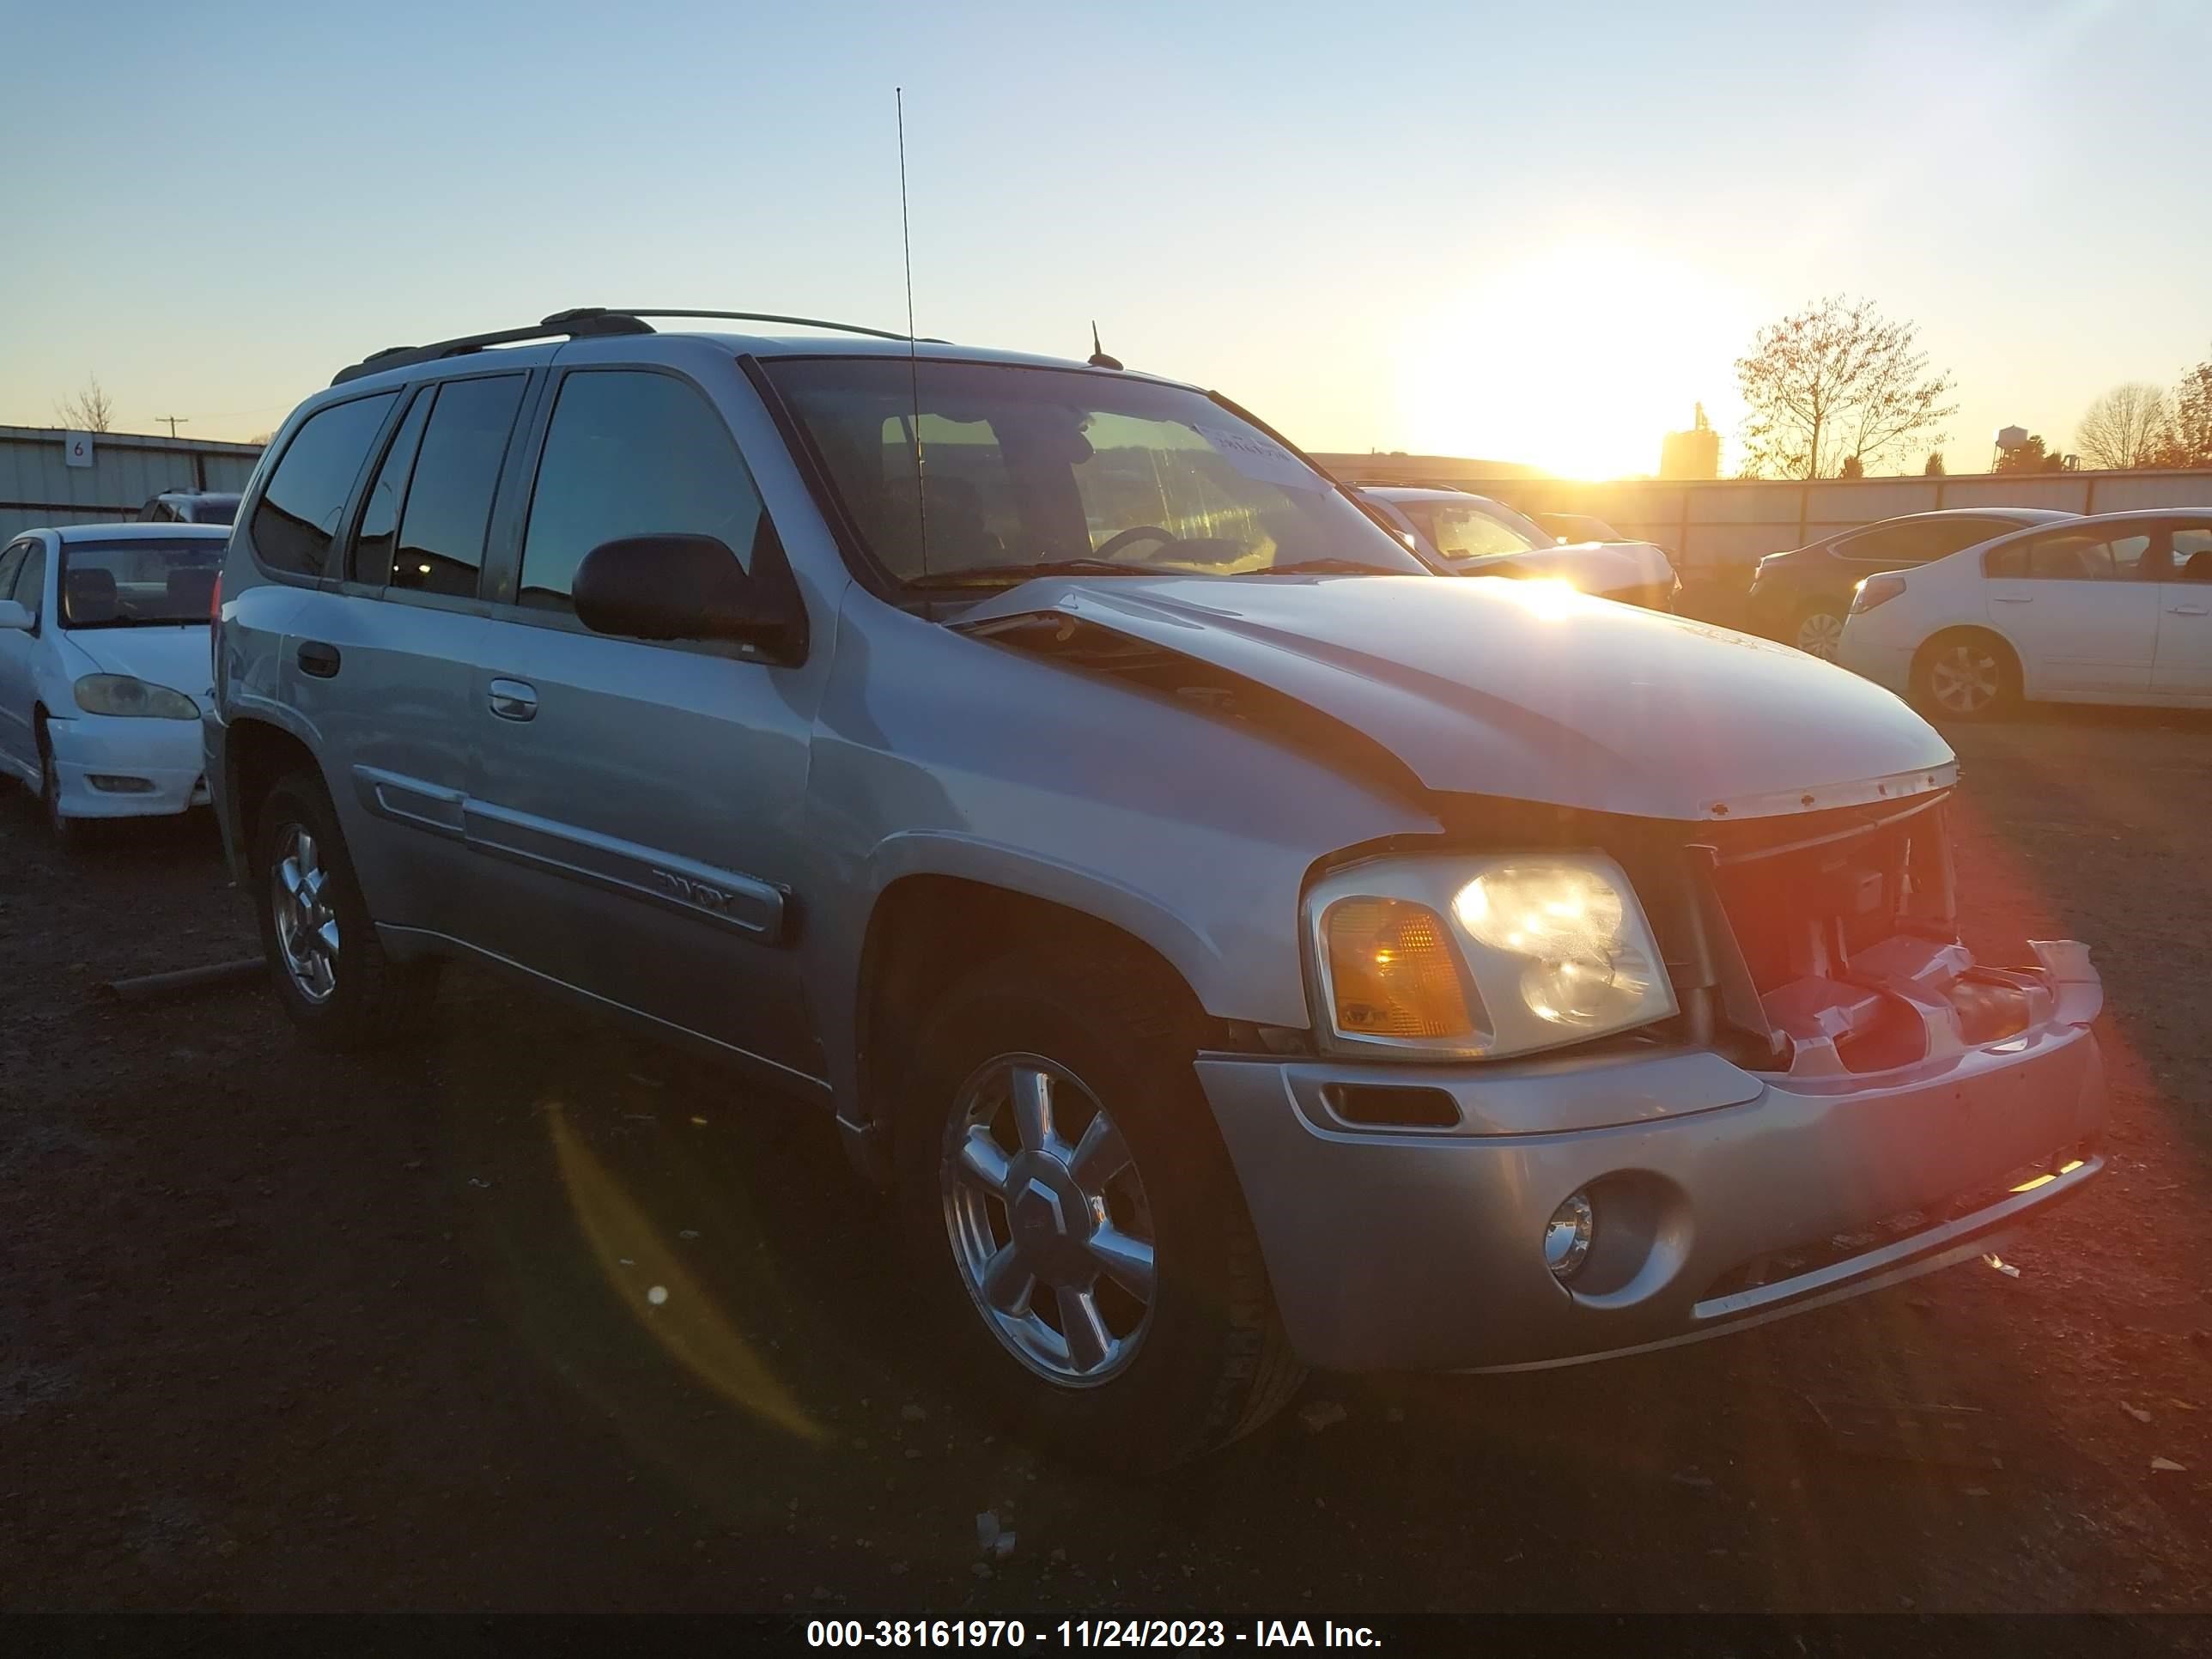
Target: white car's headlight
{"x":119,"y":693}
{"x":1483,"y":956}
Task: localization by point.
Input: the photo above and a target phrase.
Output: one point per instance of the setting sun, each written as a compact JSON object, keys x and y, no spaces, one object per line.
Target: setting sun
{"x":1576,"y":360}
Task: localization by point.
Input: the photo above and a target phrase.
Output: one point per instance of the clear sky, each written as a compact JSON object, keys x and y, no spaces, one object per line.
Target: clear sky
{"x":1529,"y":232}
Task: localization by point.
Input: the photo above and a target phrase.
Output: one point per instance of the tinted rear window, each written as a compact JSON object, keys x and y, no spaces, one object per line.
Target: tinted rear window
{"x":297,"y":517}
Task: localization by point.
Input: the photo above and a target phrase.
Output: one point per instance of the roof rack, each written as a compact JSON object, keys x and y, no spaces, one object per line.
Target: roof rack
{"x":772,"y":316}
{"x":581,"y":322}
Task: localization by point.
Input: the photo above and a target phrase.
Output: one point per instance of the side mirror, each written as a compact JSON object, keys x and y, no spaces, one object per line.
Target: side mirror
{"x":677,"y":587}
{"x":15,"y":615}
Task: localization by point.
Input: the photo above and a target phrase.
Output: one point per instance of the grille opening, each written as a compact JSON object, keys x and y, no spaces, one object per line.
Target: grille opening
{"x":1895,"y":1038}
{"x":1393,"y":1106}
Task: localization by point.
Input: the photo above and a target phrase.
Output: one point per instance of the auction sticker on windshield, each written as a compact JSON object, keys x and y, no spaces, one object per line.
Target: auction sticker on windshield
{"x":1256,"y":458}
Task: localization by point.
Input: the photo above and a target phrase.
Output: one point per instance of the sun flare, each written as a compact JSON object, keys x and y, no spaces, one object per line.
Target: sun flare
{"x":1576,"y":360}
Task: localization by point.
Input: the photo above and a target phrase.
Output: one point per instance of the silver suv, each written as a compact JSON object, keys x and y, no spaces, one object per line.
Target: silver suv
{"x":1239,"y":948}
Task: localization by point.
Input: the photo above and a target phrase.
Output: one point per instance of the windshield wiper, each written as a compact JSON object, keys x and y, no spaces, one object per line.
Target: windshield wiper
{"x":1328,"y":567}
{"x":1006,"y":576}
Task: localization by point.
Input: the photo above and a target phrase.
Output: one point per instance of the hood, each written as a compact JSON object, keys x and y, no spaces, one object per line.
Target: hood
{"x":176,"y":656}
{"x":1593,"y":567}
{"x":1531,"y":692}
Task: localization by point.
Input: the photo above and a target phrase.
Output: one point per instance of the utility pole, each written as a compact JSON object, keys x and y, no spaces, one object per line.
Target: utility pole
{"x":174,"y":421}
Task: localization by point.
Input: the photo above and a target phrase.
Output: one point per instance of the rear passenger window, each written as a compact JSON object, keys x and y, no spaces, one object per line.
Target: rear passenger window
{"x":297,"y":517}
{"x":630,"y":453}
{"x":11,"y":561}
{"x":2069,"y":556}
{"x":379,"y":517}
{"x":448,"y":509}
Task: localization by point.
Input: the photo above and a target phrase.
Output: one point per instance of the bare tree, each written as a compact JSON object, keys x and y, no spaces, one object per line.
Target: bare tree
{"x":1837,"y":381}
{"x":2125,"y":426}
{"x":89,"y":410}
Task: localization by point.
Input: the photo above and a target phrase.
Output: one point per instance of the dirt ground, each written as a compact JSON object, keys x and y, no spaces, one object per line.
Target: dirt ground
{"x":284,"y":1334}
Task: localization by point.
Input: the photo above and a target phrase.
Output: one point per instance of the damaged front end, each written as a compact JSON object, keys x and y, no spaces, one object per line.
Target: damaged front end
{"x":1825,"y":945}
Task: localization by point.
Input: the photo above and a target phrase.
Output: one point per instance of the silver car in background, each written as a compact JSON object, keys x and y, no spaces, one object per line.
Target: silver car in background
{"x":1239,"y":948}
{"x":1464,"y":534}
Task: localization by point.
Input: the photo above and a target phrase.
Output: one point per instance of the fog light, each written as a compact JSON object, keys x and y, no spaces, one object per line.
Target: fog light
{"x":1567,"y":1237}
{"x":115,"y":784}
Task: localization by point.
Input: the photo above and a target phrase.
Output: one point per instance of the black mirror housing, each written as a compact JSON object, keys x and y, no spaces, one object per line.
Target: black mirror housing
{"x":680,"y":588}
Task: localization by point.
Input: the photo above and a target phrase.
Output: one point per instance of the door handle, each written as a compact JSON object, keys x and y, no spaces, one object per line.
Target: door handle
{"x":2188,"y":610}
{"x":511,"y":700}
{"x":2013,"y":598}
{"x":318,"y":659}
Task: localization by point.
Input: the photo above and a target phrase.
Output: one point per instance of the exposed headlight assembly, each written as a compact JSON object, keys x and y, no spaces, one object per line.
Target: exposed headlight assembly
{"x":119,"y":693}
{"x":1482,"y":956}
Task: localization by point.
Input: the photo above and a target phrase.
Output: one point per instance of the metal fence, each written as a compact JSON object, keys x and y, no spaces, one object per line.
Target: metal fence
{"x":1718,"y":529}
{"x":37,"y":485}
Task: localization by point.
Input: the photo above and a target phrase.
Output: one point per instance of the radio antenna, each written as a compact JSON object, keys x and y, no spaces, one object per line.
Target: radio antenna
{"x":913,"y":363}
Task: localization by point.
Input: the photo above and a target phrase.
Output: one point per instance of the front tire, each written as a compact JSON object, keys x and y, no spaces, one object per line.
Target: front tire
{"x":69,"y":834}
{"x":331,"y":975}
{"x":1075,"y":1217}
{"x":1967,"y":675}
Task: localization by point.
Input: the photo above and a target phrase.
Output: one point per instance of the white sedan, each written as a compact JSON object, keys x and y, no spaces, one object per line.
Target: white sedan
{"x":2116,"y":608}
{"x":104,"y":667}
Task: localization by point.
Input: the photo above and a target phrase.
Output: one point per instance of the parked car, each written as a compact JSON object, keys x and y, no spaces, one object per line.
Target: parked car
{"x":1236,"y":948}
{"x":2116,"y":608}
{"x":1801,"y":597}
{"x":103,"y":667}
{"x":190,"y":507}
{"x":1469,"y":535}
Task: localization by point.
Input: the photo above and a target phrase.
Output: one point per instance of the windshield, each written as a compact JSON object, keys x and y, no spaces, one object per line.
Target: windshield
{"x":138,"y":584}
{"x":1026,"y":467}
{"x":209,"y":509}
{"x":1474,"y":530}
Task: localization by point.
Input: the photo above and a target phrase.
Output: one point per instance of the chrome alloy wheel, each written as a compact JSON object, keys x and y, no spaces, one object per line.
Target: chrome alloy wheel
{"x":306,"y":921}
{"x":1965,"y":678}
{"x":1048,"y":1221}
{"x":1821,"y":634}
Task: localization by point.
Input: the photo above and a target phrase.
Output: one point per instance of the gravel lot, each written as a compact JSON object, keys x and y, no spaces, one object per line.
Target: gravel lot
{"x":376,"y":1334}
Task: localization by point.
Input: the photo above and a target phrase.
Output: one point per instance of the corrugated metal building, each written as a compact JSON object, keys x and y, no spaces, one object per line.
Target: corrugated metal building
{"x":38,"y":486}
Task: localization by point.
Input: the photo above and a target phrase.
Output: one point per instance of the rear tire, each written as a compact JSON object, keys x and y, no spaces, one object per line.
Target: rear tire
{"x":1818,"y":629}
{"x":1967,"y":675}
{"x":335,"y":983}
{"x":1122,"y":1162}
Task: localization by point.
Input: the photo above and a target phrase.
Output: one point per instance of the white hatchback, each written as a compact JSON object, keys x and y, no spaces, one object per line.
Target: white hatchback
{"x":2114,"y":608}
{"x":104,"y":667}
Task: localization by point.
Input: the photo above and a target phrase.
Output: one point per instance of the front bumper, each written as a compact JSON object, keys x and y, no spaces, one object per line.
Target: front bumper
{"x":1724,"y":1198}
{"x":113,"y":767}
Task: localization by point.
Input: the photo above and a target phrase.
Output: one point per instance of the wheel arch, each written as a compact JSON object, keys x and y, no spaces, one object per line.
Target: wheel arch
{"x":1971,"y":629}
{"x":927,"y":931}
{"x":257,"y":752}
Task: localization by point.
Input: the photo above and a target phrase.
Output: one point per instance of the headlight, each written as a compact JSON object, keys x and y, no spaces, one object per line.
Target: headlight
{"x":119,"y":694}
{"x":1538,"y":950}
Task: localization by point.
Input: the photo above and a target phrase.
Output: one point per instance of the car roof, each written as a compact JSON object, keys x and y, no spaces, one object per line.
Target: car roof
{"x":139,"y":532}
{"x":650,"y":346}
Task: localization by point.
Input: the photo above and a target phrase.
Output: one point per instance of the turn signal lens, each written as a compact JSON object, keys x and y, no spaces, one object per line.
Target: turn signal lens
{"x":1874,"y":591}
{"x":1391,"y":971}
